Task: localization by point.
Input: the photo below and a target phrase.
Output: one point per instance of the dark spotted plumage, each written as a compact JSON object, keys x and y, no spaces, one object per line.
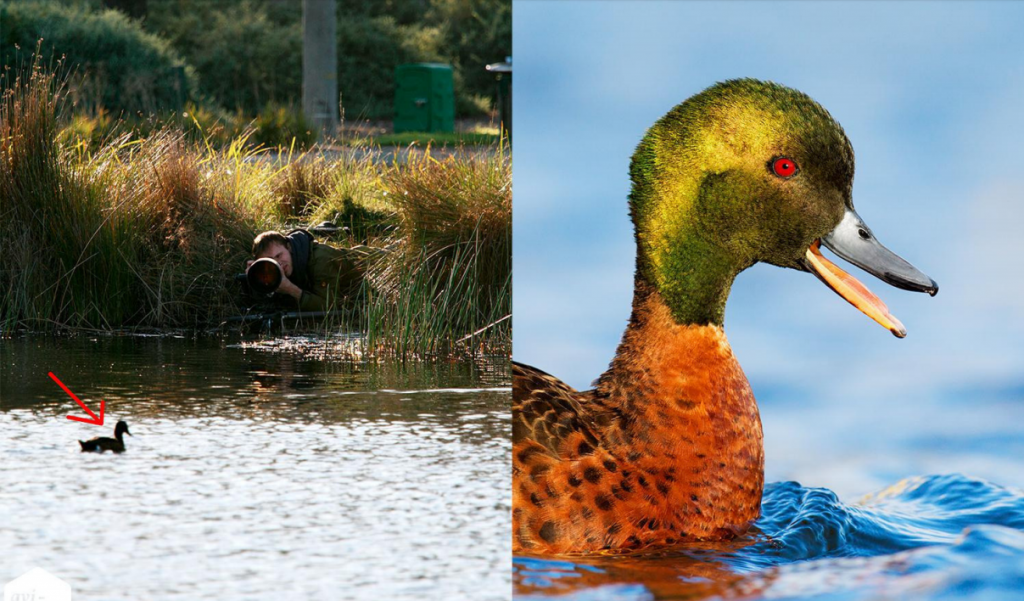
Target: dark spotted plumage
{"x":547,"y":412}
{"x":666,"y":448}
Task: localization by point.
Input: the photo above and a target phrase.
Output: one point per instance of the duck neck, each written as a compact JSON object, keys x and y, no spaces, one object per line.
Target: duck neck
{"x":692,"y":275}
{"x":685,"y":414}
{"x":664,"y":371}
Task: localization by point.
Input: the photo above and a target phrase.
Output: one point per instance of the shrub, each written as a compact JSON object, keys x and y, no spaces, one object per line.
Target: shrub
{"x":244,"y":60}
{"x":280,"y":126}
{"x":115,"y":64}
{"x":478,"y":32}
{"x":62,"y":252}
{"x":369,"y":49}
{"x":248,"y":52}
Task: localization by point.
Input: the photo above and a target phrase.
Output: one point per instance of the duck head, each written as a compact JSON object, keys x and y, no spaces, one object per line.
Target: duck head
{"x":746,"y":172}
{"x":121,"y":429}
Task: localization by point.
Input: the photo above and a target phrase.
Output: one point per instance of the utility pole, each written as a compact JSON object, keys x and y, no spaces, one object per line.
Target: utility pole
{"x":320,"y":64}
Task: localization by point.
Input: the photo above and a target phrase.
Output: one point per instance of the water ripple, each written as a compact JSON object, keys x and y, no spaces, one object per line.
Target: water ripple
{"x":254,"y":475}
{"x":932,"y":537}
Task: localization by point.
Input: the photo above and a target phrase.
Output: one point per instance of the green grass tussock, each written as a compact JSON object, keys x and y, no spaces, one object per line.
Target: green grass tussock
{"x":132,"y":231}
{"x":275,"y":126}
{"x":450,"y":273}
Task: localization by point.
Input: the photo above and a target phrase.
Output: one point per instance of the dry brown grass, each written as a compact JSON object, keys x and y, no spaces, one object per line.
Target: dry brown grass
{"x":149,"y":231}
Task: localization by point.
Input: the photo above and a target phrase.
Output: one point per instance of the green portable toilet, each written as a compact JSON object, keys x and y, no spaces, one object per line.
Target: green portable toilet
{"x":424,"y":97}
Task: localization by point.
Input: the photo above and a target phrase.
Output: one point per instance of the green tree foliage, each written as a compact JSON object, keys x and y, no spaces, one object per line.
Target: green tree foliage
{"x":115,"y":63}
{"x":369,"y":49}
{"x":248,"y":52}
{"x":478,"y":32}
{"x":243,"y":56}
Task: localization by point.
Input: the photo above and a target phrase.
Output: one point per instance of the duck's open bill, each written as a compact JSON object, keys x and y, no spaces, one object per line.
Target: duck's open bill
{"x":853,"y":241}
{"x":852,"y":290}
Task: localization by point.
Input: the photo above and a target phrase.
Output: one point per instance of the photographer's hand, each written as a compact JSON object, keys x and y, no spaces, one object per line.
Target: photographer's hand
{"x":287,"y":287}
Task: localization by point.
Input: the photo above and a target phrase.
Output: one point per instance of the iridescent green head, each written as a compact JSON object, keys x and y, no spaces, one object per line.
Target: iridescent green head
{"x":745,"y":171}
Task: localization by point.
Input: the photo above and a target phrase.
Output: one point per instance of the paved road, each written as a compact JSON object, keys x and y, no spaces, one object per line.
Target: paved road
{"x":385,"y":154}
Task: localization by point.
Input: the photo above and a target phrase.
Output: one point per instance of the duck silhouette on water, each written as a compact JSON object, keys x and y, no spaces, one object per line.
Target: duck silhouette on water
{"x":103,"y":443}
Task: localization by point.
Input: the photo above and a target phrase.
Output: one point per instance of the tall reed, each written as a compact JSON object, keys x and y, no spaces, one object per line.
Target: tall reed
{"x":64,"y":226}
{"x":448,"y":277}
{"x":148,"y":232}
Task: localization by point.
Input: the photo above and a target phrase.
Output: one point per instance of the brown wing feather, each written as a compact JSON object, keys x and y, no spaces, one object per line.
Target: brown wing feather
{"x":546,"y":410}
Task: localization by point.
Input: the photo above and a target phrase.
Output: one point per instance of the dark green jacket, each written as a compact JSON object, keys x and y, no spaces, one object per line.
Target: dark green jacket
{"x":332,"y":275}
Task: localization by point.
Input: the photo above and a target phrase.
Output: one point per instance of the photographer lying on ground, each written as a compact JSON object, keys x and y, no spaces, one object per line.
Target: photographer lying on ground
{"x":315,"y":276}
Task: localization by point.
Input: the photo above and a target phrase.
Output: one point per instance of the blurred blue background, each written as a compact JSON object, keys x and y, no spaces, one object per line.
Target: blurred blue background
{"x":932,"y":96}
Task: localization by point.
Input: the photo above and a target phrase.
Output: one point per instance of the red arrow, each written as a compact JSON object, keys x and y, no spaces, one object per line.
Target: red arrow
{"x":92,"y":419}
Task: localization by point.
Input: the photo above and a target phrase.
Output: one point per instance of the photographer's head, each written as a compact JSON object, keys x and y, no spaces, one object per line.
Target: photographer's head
{"x":276,"y":246}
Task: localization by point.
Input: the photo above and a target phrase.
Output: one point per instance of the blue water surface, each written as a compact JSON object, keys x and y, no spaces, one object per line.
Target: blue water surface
{"x":933,"y":537}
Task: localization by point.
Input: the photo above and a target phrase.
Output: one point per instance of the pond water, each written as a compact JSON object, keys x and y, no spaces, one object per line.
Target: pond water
{"x":255,"y":470}
{"x":956,"y":531}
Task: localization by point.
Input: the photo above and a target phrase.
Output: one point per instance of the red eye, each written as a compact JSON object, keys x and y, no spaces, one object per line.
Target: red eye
{"x":783,"y":167}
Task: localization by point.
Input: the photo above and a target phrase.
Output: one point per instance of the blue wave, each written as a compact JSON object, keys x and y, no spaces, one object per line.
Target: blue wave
{"x":929,"y":538}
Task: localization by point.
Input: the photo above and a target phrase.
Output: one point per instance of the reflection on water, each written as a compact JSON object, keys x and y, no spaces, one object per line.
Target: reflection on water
{"x":254,"y":473}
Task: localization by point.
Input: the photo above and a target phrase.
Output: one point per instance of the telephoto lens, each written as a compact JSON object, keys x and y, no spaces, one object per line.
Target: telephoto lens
{"x":264,"y":276}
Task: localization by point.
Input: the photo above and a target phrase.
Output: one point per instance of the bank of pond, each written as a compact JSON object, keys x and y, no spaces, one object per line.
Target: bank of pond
{"x":152,"y":232}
